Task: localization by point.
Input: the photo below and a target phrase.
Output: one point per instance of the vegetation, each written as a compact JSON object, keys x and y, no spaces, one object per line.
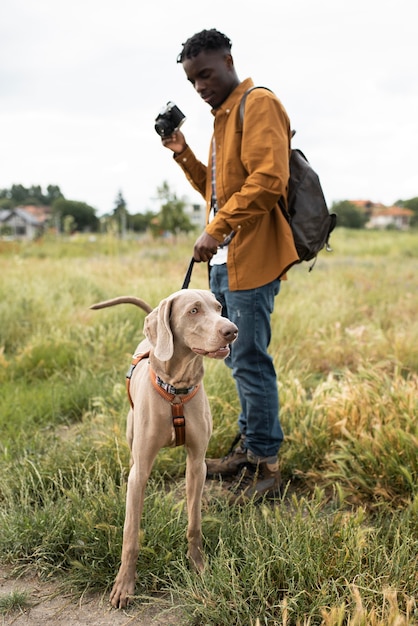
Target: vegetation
{"x":19,"y":195}
{"x":349,"y":216}
{"x":75,"y":216}
{"x":83,"y":217}
{"x":171,"y":218}
{"x":341,"y":546}
{"x":14,"y":601}
{"x":412,"y":204}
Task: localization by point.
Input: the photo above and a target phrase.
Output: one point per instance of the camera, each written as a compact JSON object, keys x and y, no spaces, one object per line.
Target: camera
{"x":169,"y":120}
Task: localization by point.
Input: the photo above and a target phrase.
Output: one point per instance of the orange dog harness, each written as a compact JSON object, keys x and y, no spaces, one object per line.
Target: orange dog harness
{"x":169,"y":393}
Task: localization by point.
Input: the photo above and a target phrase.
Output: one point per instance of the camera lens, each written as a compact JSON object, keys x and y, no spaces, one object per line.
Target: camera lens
{"x":163,"y":128}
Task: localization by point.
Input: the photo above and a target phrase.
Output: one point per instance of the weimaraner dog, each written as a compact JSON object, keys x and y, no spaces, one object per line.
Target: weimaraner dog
{"x":169,"y":407}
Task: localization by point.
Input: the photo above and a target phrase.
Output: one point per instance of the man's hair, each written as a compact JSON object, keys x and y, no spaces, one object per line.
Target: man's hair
{"x":205,"y":40}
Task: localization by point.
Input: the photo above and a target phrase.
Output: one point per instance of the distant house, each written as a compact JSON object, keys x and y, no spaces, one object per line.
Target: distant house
{"x":381,"y":216}
{"x":28,"y":222}
{"x":390,"y":217}
{"x":196,"y":214}
{"x":365,"y":206}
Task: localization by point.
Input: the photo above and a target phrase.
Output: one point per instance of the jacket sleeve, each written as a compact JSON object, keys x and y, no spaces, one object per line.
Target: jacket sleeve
{"x":264,"y":153}
{"x":194,"y":170}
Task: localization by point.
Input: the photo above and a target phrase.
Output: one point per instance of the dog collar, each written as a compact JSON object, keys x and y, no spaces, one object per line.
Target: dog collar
{"x":175,"y":391}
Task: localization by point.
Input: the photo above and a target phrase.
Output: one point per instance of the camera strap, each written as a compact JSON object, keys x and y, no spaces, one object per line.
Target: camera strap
{"x":214,"y":208}
{"x":213,"y":199}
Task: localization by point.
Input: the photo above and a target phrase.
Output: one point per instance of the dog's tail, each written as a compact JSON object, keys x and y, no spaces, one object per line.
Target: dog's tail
{"x":124,"y":300}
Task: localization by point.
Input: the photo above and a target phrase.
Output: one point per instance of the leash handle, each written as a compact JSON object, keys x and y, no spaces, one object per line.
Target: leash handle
{"x":188,"y":276}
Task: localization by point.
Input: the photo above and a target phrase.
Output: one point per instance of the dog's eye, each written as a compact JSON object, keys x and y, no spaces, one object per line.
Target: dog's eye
{"x":194,"y":310}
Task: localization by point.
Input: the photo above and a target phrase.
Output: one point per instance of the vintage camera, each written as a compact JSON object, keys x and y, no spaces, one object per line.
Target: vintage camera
{"x":169,"y":120}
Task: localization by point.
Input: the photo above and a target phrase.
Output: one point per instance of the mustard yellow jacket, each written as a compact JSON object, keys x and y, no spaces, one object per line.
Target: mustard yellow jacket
{"x":252,"y":172}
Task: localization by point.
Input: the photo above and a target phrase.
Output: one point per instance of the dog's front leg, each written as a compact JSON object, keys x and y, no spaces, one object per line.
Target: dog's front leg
{"x":124,"y":585}
{"x":195,"y":481}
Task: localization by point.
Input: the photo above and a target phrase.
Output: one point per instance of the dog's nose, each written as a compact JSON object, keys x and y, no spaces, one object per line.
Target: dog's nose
{"x":230,"y":332}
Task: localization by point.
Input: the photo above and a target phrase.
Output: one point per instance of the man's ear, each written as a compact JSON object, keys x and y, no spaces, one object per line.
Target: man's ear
{"x":229,"y":61}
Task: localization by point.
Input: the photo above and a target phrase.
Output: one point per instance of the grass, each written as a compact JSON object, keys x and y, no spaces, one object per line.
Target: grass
{"x":13,"y":602}
{"x":341,"y":548}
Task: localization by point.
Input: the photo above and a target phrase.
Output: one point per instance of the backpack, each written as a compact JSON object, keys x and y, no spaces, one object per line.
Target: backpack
{"x":307,"y":212}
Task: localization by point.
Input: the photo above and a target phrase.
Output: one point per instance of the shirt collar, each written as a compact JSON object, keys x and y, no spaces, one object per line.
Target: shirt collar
{"x":234,"y":97}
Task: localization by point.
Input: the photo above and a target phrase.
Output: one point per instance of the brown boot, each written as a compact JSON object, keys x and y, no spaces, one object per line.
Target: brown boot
{"x":231,"y":464}
{"x":255,"y":482}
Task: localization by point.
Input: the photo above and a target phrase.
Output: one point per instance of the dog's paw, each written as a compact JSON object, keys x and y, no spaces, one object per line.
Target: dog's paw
{"x":195,"y":557}
{"x":121,"y":592}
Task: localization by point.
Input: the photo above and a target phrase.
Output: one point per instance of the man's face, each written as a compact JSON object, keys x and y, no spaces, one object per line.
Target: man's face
{"x":213,"y":76}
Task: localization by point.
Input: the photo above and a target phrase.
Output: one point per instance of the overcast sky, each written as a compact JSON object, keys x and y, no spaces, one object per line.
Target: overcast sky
{"x":81,"y":82}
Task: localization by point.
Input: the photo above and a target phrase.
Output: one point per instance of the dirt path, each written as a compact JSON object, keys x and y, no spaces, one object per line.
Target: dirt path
{"x":49,"y":607}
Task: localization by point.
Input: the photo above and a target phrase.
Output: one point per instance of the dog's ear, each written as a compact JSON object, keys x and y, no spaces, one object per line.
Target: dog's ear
{"x":157,"y":330}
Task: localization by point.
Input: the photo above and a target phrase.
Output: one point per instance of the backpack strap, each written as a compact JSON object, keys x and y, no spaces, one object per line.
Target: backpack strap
{"x":281,"y":202}
{"x":244,"y":98}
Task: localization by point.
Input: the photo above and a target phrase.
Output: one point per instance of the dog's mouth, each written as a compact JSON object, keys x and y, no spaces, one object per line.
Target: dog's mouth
{"x":220,"y":353}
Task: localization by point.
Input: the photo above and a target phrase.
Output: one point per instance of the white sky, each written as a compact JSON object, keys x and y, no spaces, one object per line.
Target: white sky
{"x":81,"y":82}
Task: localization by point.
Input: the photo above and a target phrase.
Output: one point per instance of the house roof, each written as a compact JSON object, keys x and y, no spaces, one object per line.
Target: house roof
{"x":42,"y":213}
{"x":367,"y":205}
{"x":26,"y":216}
{"x":33,"y":215}
{"x":393,"y":211}
{"x":376,"y":208}
{"x":362,"y":203}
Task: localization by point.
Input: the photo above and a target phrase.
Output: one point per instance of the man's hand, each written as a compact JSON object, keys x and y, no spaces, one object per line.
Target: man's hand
{"x":175,"y":142}
{"x":205,"y":247}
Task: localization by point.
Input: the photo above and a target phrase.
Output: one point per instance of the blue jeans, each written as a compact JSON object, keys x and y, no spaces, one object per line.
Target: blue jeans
{"x":252,"y":366}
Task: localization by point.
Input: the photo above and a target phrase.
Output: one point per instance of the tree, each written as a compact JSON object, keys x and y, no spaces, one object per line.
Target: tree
{"x":6,"y":203}
{"x":53,"y":193}
{"x":140,"y":222}
{"x":121,"y":214}
{"x":68,"y":224}
{"x":349,"y":215}
{"x":413,"y":205}
{"x":19,"y":195}
{"x":84,"y":215}
{"x":171,"y":217}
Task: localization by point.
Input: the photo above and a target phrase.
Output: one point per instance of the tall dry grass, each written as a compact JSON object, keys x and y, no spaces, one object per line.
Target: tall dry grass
{"x":340,"y":548}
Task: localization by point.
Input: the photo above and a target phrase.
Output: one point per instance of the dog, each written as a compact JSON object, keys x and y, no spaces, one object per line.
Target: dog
{"x":169,"y":407}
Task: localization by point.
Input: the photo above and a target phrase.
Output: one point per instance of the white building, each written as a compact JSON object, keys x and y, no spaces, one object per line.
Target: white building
{"x":23,"y":222}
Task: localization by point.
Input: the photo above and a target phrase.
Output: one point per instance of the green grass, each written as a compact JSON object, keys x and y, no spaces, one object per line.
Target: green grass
{"x":341,"y":548}
{"x":14,"y":602}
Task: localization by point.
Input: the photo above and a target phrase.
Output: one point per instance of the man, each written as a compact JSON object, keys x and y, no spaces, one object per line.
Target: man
{"x":247,"y":242}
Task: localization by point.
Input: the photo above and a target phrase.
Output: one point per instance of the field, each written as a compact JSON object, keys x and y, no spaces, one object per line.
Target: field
{"x":339,"y":549}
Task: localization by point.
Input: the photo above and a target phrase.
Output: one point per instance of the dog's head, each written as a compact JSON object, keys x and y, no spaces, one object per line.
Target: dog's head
{"x":192,"y":318}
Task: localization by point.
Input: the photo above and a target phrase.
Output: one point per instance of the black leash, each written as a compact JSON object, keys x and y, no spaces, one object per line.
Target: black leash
{"x":188,"y":276}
